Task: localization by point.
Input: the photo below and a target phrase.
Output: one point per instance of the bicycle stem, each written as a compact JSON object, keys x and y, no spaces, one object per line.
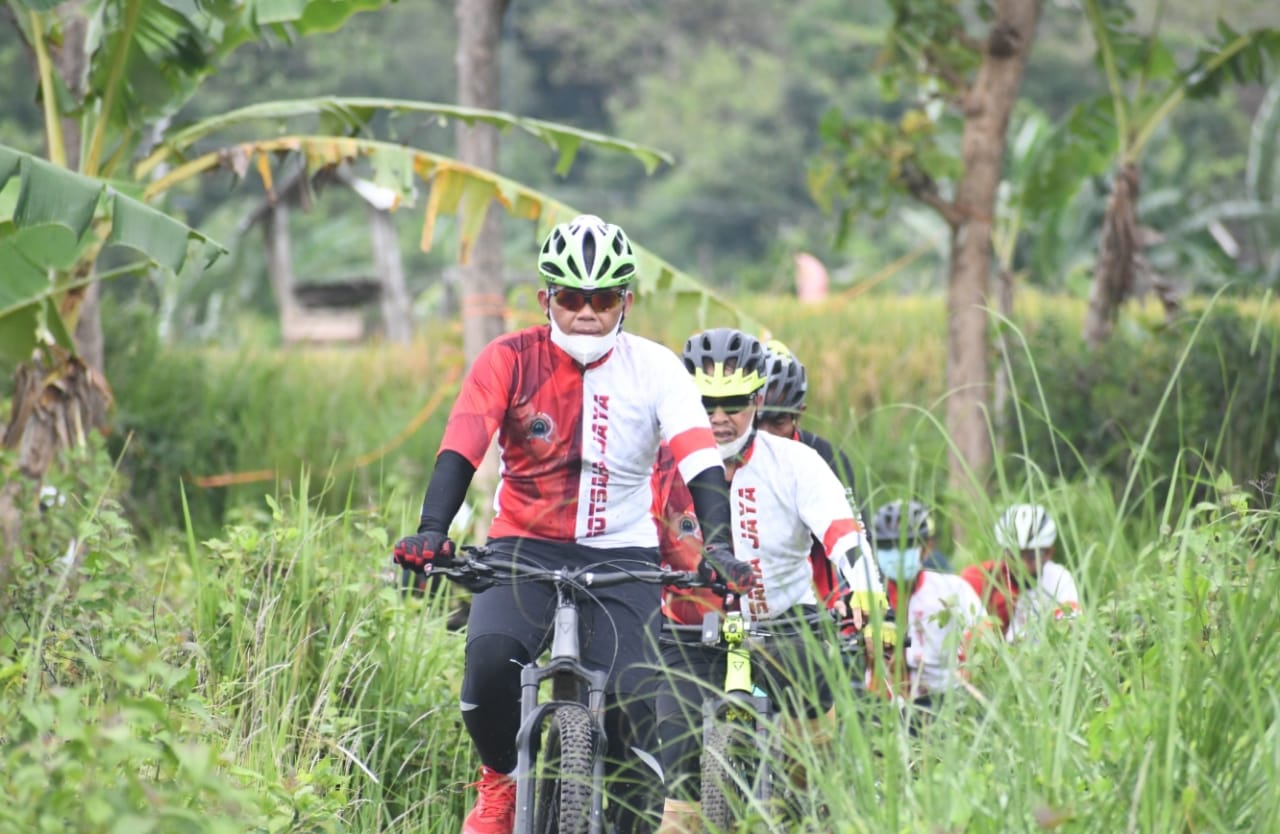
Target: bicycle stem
{"x":564,"y":641}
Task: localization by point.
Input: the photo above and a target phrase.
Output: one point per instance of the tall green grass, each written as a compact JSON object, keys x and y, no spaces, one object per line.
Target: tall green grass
{"x":267,"y":676}
{"x":272,"y":679}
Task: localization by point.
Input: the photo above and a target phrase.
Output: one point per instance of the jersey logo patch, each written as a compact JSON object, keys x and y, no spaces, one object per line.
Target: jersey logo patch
{"x":540,"y":435}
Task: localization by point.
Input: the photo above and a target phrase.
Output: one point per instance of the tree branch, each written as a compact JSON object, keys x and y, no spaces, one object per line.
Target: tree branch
{"x":923,"y":188}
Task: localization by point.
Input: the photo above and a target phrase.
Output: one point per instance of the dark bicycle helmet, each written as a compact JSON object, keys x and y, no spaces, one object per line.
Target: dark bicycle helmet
{"x":902,"y":524}
{"x":725,"y":362}
{"x":587,"y":254}
{"x":787,"y":384}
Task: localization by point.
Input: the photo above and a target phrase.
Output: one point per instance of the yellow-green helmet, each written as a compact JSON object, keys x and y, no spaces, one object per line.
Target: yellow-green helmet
{"x":587,"y":254}
{"x":725,"y":362}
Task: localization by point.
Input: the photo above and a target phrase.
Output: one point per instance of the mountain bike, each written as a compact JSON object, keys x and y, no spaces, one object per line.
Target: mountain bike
{"x":559,"y":771}
{"x":741,"y":753}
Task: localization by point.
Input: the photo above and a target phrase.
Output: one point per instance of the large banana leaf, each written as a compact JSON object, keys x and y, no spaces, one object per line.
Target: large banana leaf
{"x":455,"y":188}
{"x":146,"y":58}
{"x":349,"y":115}
{"x":51,"y":220}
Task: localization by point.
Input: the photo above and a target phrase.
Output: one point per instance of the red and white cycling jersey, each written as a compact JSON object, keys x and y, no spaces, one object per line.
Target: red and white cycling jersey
{"x":782,"y":496}
{"x":578,"y":445}
{"x":941,"y":614}
{"x":1054,"y":594}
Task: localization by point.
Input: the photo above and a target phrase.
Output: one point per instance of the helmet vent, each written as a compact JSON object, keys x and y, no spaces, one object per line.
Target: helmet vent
{"x":589,"y":253}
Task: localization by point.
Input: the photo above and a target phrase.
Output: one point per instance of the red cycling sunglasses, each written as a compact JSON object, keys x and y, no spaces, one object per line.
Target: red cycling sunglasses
{"x":602,"y":301}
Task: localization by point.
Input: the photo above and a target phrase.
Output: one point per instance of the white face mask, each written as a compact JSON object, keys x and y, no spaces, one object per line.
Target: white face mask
{"x":734,"y":447}
{"x":902,"y":566}
{"x":584,"y":348}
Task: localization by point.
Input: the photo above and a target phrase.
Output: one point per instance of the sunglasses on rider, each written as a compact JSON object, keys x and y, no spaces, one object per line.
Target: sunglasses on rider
{"x":602,"y":301}
{"x":730,"y":405}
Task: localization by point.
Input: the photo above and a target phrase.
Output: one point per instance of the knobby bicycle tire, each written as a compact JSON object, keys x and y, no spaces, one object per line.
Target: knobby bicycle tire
{"x":731,"y":771}
{"x":562,"y":792}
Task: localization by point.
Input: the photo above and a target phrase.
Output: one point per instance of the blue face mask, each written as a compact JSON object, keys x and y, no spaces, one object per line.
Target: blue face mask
{"x":902,"y":566}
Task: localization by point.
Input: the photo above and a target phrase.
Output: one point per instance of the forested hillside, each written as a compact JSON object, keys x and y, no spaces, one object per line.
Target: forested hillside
{"x":736,"y":91}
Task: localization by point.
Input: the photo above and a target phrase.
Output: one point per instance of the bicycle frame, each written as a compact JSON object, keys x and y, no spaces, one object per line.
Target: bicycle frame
{"x":739,"y":688}
{"x":566,"y":673}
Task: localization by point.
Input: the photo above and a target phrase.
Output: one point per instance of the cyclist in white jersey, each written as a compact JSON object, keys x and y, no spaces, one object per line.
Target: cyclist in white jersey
{"x":939,"y":612}
{"x":782,"y":494}
{"x":1029,"y":585}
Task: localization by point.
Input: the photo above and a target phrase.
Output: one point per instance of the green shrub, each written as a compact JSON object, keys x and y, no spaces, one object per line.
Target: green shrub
{"x":1104,"y":412}
{"x":260,"y":416}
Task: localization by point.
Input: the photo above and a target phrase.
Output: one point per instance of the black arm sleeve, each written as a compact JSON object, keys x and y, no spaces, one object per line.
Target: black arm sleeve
{"x":711,"y":504}
{"x":445,"y":492}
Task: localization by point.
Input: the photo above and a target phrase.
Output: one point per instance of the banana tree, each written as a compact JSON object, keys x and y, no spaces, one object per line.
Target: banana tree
{"x":109,"y":73}
{"x":105,"y":71}
{"x":1145,"y":87}
{"x":143,"y":59}
{"x":452,"y":186}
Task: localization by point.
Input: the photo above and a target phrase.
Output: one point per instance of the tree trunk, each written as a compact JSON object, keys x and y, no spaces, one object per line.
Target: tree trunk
{"x":275,"y":231}
{"x":57,"y":397}
{"x":987,"y":107}
{"x":51,"y":412}
{"x":69,"y":61}
{"x":396,"y":310}
{"x":483,"y":293}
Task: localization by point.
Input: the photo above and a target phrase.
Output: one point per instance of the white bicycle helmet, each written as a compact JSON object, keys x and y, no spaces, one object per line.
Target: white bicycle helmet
{"x":1026,"y":527}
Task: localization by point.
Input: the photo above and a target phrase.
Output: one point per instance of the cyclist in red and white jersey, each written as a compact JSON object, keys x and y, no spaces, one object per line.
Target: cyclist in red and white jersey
{"x":781,"y":494}
{"x":1028,"y":585}
{"x":781,"y":405}
{"x":938,"y":611}
{"x":579,"y":407}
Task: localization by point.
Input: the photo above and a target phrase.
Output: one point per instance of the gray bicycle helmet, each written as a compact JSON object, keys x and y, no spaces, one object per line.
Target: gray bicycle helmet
{"x":587,"y":254}
{"x":902,"y":523}
{"x":725,"y":362}
{"x":788,"y":383}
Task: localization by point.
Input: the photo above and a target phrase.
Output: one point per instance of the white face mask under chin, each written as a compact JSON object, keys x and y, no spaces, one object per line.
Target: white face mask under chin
{"x":734,"y":447}
{"x":584,"y":348}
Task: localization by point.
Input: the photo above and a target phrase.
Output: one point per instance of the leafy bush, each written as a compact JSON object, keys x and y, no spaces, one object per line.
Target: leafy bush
{"x":1197,"y":397}
{"x":269,"y":680}
{"x":260,"y":416}
{"x":101,"y":726}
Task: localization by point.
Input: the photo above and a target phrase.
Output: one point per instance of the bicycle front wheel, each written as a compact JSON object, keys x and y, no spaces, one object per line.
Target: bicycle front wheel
{"x":732,"y":770}
{"x":564,"y":787}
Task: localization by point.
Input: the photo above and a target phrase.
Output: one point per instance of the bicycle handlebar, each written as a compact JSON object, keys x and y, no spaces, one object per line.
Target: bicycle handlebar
{"x":470,"y":569}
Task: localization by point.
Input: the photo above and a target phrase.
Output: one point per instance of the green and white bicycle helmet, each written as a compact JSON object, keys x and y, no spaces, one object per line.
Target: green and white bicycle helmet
{"x":587,"y":254}
{"x":725,"y":362}
{"x":1026,"y":527}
